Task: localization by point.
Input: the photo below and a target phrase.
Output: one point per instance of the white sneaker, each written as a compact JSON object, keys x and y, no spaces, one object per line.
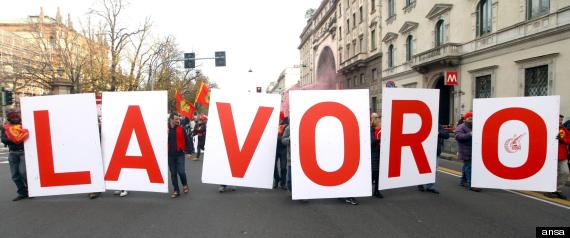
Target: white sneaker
{"x":123,"y":193}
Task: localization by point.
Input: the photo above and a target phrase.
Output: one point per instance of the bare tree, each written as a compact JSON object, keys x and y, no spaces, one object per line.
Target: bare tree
{"x":118,"y":35}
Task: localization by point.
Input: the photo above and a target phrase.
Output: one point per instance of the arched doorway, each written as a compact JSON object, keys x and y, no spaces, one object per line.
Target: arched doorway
{"x":327,"y":77}
{"x":445,"y":101}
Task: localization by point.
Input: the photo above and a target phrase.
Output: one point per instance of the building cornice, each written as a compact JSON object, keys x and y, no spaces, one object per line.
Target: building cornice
{"x":438,"y":9}
{"x":408,"y":26}
{"x":389,"y":37}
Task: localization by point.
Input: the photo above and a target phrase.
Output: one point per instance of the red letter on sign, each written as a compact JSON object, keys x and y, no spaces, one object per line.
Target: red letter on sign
{"x":537,"y":143}
{"x":414,"y":141}
{"x":133,"y":122}
{"x":307,"y":146}
{"x":48,"y":176}
{"x":240,"y":159}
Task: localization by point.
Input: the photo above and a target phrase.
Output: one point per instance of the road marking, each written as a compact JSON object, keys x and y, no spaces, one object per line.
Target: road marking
{"x":532,"y":195}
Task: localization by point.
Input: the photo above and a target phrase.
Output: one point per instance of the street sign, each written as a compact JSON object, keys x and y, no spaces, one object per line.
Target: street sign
{"x":451,"y":78}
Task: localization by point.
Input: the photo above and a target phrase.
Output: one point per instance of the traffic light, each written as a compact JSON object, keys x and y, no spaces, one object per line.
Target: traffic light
{"x":8,"y":97}
{"x":189,"y":60}
{"x":258,"y":89}
{"x":220,"y":58}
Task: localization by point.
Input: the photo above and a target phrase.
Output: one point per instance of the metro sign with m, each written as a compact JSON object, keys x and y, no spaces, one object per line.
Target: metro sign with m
{"x":451,"y":78}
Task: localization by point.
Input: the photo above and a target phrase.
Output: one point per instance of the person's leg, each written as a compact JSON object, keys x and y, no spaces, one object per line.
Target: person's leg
{"x":181,"y":169}
{"x":562,"y":175}
{"x":14,"y":160}
{"x":23,"y":172}
{"x":276,"y":171}
{"x":173,"y":172}
{"x":283,"y":168}
{"x":289,"y":177}
{"x":468,"y":172}
{"x":463,"y":181}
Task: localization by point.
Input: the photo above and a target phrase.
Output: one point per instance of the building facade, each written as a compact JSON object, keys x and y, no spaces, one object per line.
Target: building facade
{"x":359,"y":48}
{"x":341,"y":48}
{"x":41,"y":55}
{"x":499,"y":48}
{"x":319,"y":49}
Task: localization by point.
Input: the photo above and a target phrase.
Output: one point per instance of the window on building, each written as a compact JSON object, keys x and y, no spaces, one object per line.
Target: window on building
{"x":439,"y":33}
{"x":362,"y":45}
{"x":340,"y":9}
{"x":348,"y":83}
{"x":354,"y":47}
{"x":373,"y":39}
{"x":347,"y":26}
{"x":536,"y":81}
{"x":348,"y":51}
{"x":362,"y":79}
{"x":409,"y":2}
{"x":409,"y":47}
{"x":353,"y":21}
{"x":391,"y":56}
{"x":484,"y":17}
{"x":374,"y":75}
{"x":361,"y":14}
{"x":391,"y":8}
{"x":339,"y":33}
{"x":537,"y":8}
{"x":374,"y":102}
{"x":483,"y":86}
{"x":372,"y":5}
{"x":340,"y":54}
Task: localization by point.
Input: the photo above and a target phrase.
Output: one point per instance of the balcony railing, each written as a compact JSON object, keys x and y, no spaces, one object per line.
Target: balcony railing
{"x":396,"y":70}
{"x":448,"y":50}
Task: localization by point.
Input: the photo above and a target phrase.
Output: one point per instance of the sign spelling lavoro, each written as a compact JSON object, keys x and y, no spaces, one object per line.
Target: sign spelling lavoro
{"x":514,"y":145}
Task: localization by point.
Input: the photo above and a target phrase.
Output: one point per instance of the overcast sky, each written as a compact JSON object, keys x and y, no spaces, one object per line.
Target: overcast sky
{"x":259,"y":34}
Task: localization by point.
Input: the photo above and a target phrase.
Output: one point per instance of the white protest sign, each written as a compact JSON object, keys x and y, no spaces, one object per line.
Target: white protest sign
{"x":408,"y":154}
{"x":134,"y":138}
{"x":241,"y":139}
{"x":514,"y":143}
{"x":63,"y":152}
{"x":330,"y":144}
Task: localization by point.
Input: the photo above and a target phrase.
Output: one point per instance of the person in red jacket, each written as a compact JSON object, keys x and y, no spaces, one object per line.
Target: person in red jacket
{"x":563,"y":142}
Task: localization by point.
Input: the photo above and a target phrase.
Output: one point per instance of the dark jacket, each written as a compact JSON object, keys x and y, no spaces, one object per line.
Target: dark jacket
{"x":200,"y":131}
{"x":286,"y":140}
{"x":442,"y":135}
{"x":11,"y":145}
{"x":172,"y":147}
{"x":464,"y":141}
{"x":374,"y":150}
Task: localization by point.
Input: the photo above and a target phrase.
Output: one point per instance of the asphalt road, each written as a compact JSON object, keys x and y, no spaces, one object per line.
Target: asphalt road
{"x":246,"y":212}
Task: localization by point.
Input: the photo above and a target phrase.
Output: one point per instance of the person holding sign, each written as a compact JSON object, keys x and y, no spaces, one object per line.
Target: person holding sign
{"x":375,"y":135}
{"x":200,"y":131}
{"x":13,"y":135}
{"x":464,"y":138}
{"x":563,"y":142}
{"x":176,"y":147}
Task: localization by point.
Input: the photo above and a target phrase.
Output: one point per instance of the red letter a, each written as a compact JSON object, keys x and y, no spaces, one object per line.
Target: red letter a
{"x":240,"y":159}
{"x":414,"y":141}
{"x":133,"y":122}
{"x":48,"y":176}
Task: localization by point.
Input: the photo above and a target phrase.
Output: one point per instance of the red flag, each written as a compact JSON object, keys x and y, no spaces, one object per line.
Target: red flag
{"x":183,"y":106}
{"x":203,"y":96}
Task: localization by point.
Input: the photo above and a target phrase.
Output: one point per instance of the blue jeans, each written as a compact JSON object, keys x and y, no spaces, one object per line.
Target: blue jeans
{"x":176,"y":166}
{"x":18,"y":171}
{"x":289,"y":177}
{"x":279,"y":170}
{"x":466,"y":173}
